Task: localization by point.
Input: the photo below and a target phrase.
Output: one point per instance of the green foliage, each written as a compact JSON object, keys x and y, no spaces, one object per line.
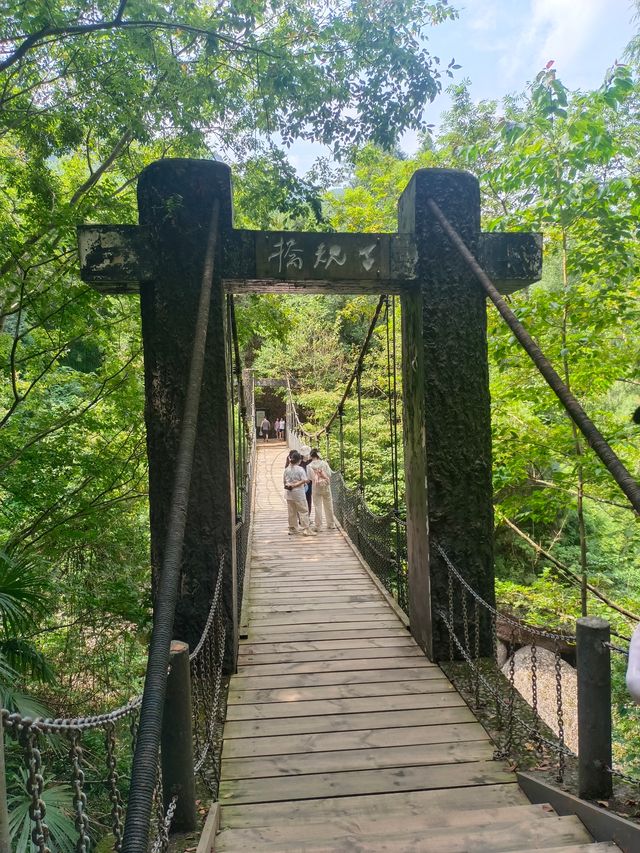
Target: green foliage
{"x":59,"y":817}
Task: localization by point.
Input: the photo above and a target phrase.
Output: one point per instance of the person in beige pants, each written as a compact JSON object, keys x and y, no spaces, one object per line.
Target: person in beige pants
{"x":320,"y":472}
{"x":295,"y":479}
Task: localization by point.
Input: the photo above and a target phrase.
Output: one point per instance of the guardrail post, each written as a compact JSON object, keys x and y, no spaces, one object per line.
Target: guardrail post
{"x":177,"y":742}
{"x":5,"y":845}
{"x":594,"y":708}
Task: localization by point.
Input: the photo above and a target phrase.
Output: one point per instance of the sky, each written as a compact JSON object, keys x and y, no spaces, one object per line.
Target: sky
{"x":502,"y":44}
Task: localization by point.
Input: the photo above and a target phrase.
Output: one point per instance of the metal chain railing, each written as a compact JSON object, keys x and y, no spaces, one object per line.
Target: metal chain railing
{"x":207,"y":683}
{"x":376,"y":536}
{"x":518,"y":721}
{"x":513,"y":688}
{"x":206,"y":664}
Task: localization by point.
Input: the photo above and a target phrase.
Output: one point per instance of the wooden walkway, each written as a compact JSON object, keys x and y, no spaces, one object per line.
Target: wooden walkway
{"x":340,"y":734}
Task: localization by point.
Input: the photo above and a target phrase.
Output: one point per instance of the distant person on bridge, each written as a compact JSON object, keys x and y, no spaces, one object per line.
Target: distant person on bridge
{"x":321,"y":473}
{"x":295,"y":479}
{"x":265,"y":426}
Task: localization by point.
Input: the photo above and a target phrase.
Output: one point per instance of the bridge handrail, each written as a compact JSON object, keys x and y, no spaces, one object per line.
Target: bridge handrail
{"x":462,"y":623}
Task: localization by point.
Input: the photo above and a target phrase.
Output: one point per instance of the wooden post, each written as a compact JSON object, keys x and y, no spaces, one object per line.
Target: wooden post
{"x":175,"y":200}
{"x":594,"y":708}
{"x":446,"y":408}
{"x":5,"y":843}
{"x":177,"y":741}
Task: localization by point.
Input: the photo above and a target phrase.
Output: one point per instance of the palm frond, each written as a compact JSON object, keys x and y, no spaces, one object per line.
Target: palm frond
{"x":25,"y":659}
{"x":23,"y":593}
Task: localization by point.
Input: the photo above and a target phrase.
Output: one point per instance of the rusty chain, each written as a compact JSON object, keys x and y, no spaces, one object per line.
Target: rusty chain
{"x":514,"y":623}
{"x":81,"y":819}
{"x":508,"y":705}
{"x":534,"y":694}
{"x":28,"y":738}
{"x":560,"y":712}
{"x":117,"y":807}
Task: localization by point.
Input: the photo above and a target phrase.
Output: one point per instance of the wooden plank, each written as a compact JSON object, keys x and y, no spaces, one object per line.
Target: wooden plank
{"x":324,"y":571}
{"x":314,"y":598}
{"x":283,"y":648}
{"x":252,"y":838}
{"x":370,"y":605}
{"x":356,"y":759}
{"x":314,"y":590}
{"x":360,"y":739}
{"x":333,"y":654}
{"x":358,"y":782}
{"x":355,"y":663}
{"x":547,"y":833}
{"x":347,"y":722}
{"x":331,"y":618}
{"x":448,"y":698}
{"x":430,"y":806}
{"x":362,"y":676}
{"x":206,"y":844}
{"x":337,"y":691}
{"x":268,"y":635}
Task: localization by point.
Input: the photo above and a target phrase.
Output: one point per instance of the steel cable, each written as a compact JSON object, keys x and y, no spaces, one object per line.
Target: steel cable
{"x":143,"y":776}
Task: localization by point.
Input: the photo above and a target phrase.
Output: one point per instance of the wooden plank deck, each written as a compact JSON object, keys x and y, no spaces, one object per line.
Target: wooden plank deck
{"x":340,"y":734}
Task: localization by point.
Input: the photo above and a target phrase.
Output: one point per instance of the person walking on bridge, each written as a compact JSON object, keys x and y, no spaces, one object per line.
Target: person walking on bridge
{"x":265,"y":426}
{"x":295,"y":479}
{"x":321,"y":473}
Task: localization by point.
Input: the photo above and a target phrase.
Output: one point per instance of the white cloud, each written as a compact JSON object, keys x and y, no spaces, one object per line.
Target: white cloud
{"x":562,"y":29}
{"x":483,"y":17}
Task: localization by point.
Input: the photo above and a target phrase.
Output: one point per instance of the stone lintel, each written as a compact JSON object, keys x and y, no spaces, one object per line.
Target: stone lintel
{"x":117,"y":258}
{"x":512,"y":260}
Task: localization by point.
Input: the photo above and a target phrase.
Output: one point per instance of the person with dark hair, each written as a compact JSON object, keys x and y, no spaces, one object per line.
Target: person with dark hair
{"x":305,"y":458}
{"x":321,"y":473}
{"x":265,"y":426}
{"x":295,"y":479}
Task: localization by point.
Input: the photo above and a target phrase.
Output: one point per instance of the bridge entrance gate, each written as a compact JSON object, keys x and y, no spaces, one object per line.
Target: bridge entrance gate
{"x":184,"y":206}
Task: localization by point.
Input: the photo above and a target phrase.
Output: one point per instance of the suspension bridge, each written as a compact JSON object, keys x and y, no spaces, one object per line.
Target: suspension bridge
{"x":298,"y":683}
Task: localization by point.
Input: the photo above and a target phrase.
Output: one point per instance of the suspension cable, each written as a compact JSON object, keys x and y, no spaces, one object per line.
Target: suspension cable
{"x":357,"y":368}
{"x":360,"y":457}
{"x":145,"y":762}
{"x":593,"y":436}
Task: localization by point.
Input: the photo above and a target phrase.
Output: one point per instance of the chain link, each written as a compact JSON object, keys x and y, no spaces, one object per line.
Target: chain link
{"x":117,"y":808}
{"x":450,"y":604}
{"x":509,"y":704}
{"x":514,"y":623}
{"x":631,"y":780}
{"x":28,"y":737}
{"x":534,"y":693}
{"x":379,"y":537}
{"x":615,"y":648}
{"x":560,"y":713}
{"x":161,"y":844}
{"x":81,"y":819}
{"x":69,"y":724}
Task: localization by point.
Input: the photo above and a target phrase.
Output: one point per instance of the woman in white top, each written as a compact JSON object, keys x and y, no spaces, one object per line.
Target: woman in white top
{"x":295,"y":478}
{"x":322,"y":500}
